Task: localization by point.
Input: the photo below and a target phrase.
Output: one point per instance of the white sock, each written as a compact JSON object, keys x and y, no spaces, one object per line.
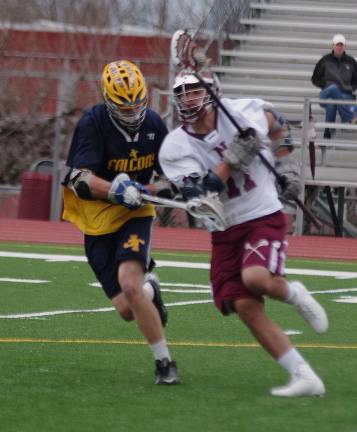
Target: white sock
{"x":291,"y":359}
{"x":149,"y":290}
{"x":160,"y":350}
{"x":291,"y":293}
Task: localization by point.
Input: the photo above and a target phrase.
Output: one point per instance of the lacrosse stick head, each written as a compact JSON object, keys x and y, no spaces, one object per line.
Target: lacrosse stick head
{"x":185,"y":53}
{"x":191,"y":99}
{"x":210,"y":210}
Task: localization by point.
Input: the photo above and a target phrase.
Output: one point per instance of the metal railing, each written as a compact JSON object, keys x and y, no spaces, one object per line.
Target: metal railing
{"x":347,"y":176}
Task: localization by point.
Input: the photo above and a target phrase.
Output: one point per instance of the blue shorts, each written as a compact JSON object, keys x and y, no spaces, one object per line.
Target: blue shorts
{"x":105,"y":252}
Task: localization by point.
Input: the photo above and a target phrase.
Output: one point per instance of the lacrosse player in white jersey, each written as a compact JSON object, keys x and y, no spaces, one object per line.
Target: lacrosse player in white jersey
{"x":206,"y":156}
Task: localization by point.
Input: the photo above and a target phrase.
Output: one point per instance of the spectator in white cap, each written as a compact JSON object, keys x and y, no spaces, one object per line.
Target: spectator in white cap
{"x":336,"y":74}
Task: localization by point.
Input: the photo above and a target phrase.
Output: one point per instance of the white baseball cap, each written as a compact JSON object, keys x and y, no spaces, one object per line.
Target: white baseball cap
{"x":339,"y":38}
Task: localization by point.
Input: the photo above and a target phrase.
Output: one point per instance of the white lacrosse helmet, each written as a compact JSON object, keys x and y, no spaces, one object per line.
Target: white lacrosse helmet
{"x":191,"y":99}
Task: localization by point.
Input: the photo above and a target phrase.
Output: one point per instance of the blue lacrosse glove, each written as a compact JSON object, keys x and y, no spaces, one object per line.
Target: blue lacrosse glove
{"x":126,"y":192}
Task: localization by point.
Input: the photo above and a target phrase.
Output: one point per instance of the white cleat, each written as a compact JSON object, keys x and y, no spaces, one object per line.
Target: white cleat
{"x":309,"y":308}
{"x":304,"y":382}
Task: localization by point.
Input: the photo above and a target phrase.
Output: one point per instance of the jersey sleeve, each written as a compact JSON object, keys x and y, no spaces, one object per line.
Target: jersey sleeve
{"x":86,"y":150}
{"x":177,"y":158}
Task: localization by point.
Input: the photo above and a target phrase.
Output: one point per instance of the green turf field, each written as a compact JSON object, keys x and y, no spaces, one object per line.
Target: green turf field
{"x":66,"y":365}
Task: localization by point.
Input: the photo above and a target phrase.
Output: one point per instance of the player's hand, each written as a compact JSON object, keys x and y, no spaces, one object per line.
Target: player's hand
{"x":242,"y":151}
{"x":290,"y":186}
{"x":126,"y":192}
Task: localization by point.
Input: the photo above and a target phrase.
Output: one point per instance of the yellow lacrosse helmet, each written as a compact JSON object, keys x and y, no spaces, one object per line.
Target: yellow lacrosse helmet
{"x":125,"y":93}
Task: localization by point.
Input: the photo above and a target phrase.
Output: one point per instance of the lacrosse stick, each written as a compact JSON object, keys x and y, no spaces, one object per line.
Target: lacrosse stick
{"x":312,"y":137}
{"x":185,"y":51}
{"x":207,"y":208}
{"x":245,"y":133}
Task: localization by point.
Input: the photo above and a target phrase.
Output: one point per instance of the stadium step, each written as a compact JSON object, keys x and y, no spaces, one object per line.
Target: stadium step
{"x":292,"y":24}
{"x":283,"y":40}
{"x":273,"y":57}
{"x":306,"y":8}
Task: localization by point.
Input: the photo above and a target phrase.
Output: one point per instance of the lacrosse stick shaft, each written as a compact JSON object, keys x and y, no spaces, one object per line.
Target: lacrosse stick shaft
{"x":244,"y":134}
{"x":164,"y":202}
{"x":215,"y":219}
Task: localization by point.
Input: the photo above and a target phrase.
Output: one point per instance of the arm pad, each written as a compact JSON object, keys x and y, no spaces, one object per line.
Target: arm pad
{"x":280,"y":123}
{"x":79,"y":182}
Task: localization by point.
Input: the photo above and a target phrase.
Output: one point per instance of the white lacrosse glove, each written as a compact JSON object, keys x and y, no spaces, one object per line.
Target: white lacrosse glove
{"x":242,"y":151}
{"x":288,"y":168}
{"x":126,"y":192}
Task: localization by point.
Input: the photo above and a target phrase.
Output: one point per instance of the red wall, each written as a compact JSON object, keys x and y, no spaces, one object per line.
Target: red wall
{"x":33,"y":62}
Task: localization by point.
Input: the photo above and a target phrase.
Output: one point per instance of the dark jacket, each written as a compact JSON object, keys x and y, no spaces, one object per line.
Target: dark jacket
{"x":341,"y":71}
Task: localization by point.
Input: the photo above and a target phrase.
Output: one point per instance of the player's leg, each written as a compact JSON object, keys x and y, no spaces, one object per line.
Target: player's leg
{"x":267,"y":333}
{"x":128,"y":249}
{"x":131,"y":280}
{"x":263,"y":268}
{"x":151,"y":289}
{"x":330,"y":92}
{"x":260,"y":281}
{"x":250,"y":253}
{"x":303,"y":380}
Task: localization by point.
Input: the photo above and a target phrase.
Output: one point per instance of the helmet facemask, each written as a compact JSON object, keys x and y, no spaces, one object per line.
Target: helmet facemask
{"x":125,"y":94}
{"x":192,"y":102}
{"x":191,"y":99}
{"x":130,"y":117}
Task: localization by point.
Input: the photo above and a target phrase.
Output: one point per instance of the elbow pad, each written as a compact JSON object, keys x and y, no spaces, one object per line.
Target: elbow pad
{"x":79,"y":183}
{"x":280,"y":122}
{"x":197,"y":186}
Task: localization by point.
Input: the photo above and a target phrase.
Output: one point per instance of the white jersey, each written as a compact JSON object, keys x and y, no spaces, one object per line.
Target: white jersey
{"x":248,"y":195}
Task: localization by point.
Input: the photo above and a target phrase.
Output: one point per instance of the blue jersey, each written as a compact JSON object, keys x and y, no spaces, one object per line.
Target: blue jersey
{"x":107,"y":150}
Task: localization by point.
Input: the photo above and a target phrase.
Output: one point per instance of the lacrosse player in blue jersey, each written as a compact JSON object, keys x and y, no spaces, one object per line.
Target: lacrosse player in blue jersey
{"x":114,"y":152}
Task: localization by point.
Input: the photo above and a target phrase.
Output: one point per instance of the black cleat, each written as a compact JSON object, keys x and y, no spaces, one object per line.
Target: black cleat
{"x":157,"y":300}
{"x":166,"y":372}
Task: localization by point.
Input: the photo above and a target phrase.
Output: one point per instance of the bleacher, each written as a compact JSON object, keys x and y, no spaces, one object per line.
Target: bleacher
{"x":273,"y":58}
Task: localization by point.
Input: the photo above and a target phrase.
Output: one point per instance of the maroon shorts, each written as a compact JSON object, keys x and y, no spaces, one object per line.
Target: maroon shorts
{"x":260,"y":242}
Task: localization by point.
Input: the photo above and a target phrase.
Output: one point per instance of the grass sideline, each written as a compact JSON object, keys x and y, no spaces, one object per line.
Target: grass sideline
{"x":89,"y":371}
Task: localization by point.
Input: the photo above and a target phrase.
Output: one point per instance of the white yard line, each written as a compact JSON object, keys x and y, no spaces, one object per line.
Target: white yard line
{"x":177,"y":264}
{"x":74,"y":311}
{"x":31,"y":281}
{"x":174,"y":287}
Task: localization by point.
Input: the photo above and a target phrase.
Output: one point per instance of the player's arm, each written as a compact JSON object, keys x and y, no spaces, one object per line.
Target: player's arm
{"x":161,"y":187}
{"x":243,"y":150}
{"x":279,"y":130}
{"x":123,"y":191}
{"x":285,"y":163}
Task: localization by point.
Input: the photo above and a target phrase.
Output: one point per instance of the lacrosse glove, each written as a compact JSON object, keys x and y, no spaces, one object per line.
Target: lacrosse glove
{"x":242,"y":151}
{"x":126,"y":192}
{"x":290,"y":185}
